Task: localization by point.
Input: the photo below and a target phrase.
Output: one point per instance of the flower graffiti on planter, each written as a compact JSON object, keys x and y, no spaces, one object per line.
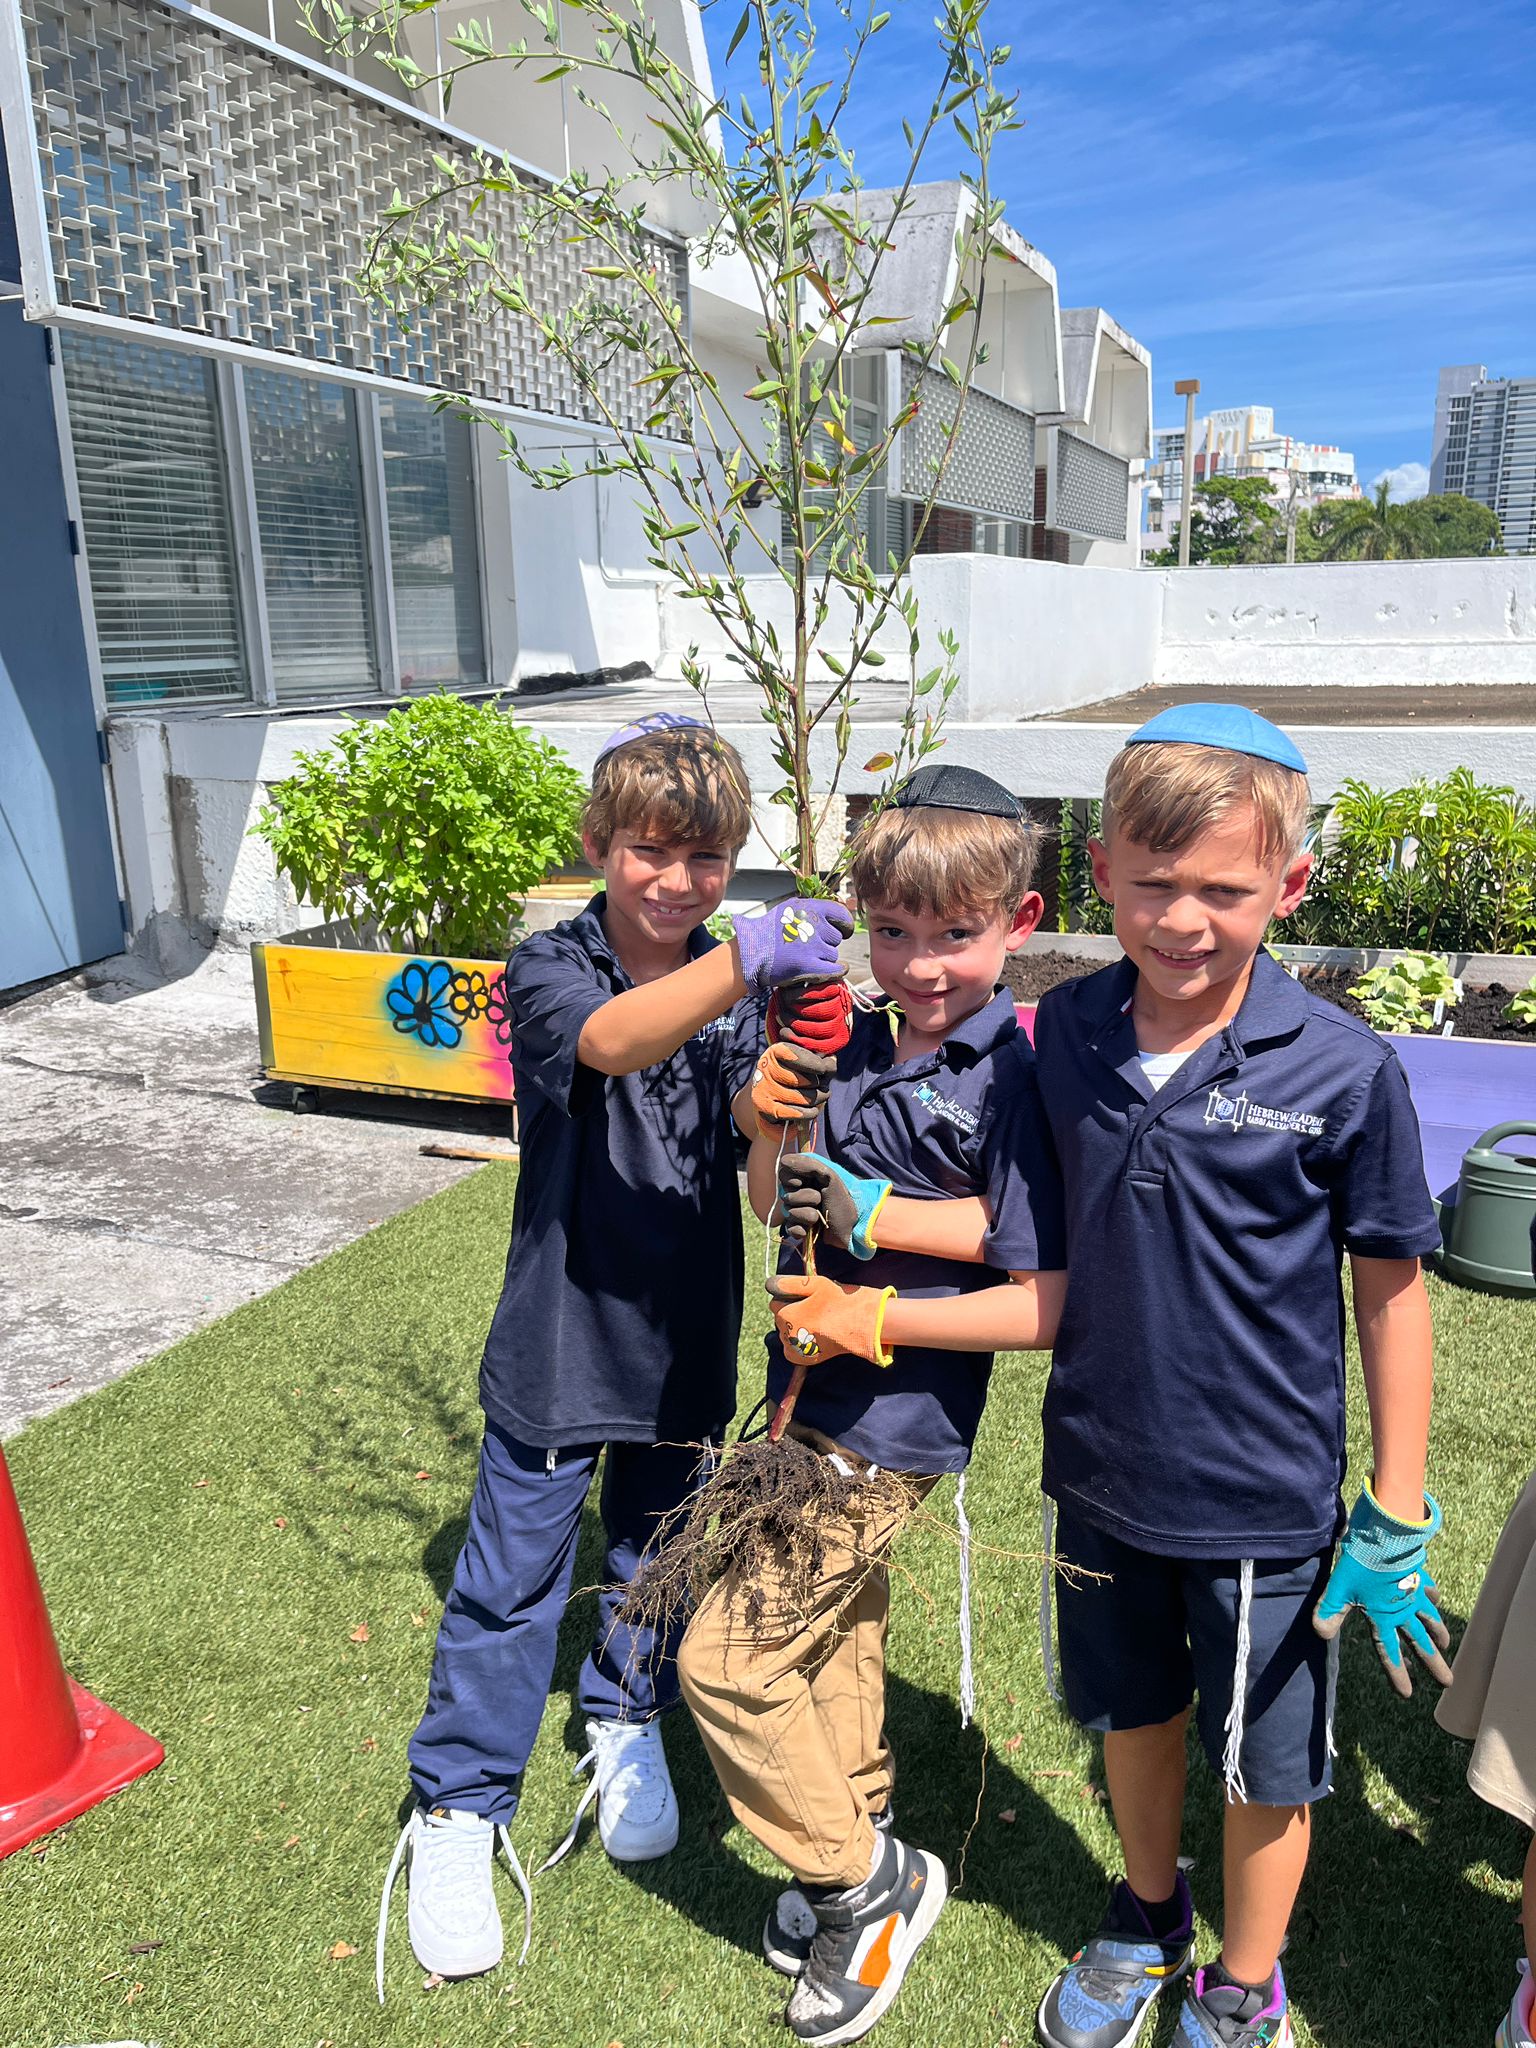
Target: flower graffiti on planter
{"x":422,"y":1005}
{"x":344,"y":1016}
{"x":498,"y":1011}
{"x":468,"y":995}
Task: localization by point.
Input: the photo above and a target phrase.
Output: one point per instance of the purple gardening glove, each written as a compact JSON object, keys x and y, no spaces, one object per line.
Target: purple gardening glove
{"x":796,"y":940}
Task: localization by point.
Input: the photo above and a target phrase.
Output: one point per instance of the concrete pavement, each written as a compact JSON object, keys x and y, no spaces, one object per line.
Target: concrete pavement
{"x":150,"y":1181}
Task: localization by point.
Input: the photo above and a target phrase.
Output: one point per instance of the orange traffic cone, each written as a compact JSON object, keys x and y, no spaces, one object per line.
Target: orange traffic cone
{"x":61,"y":1748}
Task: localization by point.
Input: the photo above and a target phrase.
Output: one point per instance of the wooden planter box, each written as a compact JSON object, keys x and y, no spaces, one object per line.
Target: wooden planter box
{"x":336,"y":1012}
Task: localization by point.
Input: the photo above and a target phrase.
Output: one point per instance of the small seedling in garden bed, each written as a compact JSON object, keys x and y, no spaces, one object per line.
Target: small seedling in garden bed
{"x":1410,"y":993}
{"x":1521,"y":1008}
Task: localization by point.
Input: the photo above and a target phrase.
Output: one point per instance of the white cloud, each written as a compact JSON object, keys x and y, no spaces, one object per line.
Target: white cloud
{"x":1408,"y":480}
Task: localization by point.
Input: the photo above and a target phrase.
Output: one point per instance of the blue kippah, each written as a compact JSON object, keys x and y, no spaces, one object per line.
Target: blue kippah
{"x":1232,"y":726}
{"x":655,"y":721}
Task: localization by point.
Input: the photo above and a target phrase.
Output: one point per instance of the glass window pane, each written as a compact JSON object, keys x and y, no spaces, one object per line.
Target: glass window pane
{"x":429,"y":487}
{"x":309,"y":507}
{"x":150,"y":461}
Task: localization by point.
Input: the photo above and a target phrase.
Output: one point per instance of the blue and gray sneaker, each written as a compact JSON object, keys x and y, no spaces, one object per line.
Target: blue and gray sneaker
{"x":1103,"y":1996}
{"x":1227,"y":2016}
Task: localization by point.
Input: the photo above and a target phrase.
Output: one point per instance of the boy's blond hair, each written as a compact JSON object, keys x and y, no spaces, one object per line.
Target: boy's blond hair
{"x":687,"y":784}
{"x":1164,"y":793}
{"x":935,"y":862}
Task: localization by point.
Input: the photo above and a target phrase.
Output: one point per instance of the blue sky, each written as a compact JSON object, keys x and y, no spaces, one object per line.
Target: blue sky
{"x":1310,"y":206}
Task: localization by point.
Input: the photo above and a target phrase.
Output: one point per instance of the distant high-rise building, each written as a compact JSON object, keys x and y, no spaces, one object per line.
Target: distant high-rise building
{"x":1485,"y":447}
{"x":1241,"y":441}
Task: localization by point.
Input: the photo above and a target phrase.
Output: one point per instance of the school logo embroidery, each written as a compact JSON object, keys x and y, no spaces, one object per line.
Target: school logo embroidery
{"x":940,"y":1105}
{"x":1240,"y":1112}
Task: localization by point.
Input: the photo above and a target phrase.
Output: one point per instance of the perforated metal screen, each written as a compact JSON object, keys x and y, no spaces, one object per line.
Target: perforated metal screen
{"x":1090,"y":490}
{"x":992,"y":468}
{"x":207,"y":184}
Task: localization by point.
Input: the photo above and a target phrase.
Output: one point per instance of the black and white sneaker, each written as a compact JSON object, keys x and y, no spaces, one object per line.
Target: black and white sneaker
{"x":865,"y":1938}
{"x":790,"y":1928}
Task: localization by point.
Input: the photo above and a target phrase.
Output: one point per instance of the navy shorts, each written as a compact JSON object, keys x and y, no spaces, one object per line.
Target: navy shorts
{"x":1139,"y":1645}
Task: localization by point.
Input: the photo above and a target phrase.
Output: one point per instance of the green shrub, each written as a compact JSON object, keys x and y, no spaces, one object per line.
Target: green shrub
{"x":432,"y":823}
{"x":1400,"y":995}
{"x":1447,"y":866}
{"x":1080,"y":907}
{"x":1521,"y":1009}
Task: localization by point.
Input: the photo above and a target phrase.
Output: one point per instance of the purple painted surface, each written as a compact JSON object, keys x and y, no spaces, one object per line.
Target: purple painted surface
{"x":1461,"y":1088}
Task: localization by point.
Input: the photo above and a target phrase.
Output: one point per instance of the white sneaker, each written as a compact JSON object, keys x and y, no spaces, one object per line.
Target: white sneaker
{"x":636,"y":1806}
{"x":1519,"y":2024}
{"x":451,"y":1912}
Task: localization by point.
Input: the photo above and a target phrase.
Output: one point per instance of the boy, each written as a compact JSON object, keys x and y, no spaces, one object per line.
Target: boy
{"x":634,"y":1036}
{"x":935,"y":1091}
{"x":1225,"y":1138}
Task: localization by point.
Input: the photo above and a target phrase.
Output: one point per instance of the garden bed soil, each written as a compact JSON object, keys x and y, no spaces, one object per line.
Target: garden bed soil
{"x":1479,"y":1014}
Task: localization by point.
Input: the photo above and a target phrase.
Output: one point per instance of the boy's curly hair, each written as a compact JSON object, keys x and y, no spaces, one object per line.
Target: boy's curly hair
{"x":943,"y":863}
{"x":687,"y":784}
{"x":1164,"y":794}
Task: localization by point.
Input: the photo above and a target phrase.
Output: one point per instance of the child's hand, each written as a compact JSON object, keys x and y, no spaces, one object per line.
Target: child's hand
{"x":818,"y":1319}
{"x":816,"y":1195}
{"x":790,"y":1084}
{"x":814,"y":1013}
{"x":1383,"y":1570}
{"x":796,"y":940}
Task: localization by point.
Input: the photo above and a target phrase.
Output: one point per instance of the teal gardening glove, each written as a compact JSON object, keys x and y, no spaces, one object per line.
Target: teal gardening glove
{"x":814,"y":1194}
{"x":1382,"y":1569}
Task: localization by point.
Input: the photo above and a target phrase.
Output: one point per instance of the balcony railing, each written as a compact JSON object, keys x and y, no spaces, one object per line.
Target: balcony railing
{"x":173,"y":172}
{"x":992,"y":467}
{"x":1087,"y":489}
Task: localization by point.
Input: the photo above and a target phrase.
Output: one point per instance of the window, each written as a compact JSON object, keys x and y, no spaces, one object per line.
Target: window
{"x":429,"y":488}
{"x":307,"y":475}
{"x":358,"y":567}
{"x":153,"y":502}
{"x":863,"y":388}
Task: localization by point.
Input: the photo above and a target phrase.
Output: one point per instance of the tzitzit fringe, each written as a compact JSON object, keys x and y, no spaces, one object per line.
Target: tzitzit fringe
{"x":967,"y":1666}
{"x":1232,"y":1761}
{"x":1047,"y":1577}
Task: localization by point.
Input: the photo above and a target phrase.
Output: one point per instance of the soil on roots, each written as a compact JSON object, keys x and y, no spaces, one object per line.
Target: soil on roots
{"x":764,"y":1517}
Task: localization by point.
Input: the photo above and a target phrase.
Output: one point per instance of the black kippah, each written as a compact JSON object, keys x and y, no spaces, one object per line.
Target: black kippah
{"x":953,"y":788}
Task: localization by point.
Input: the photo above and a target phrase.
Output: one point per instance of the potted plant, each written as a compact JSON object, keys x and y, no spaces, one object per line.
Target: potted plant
{"x":418,"y":836}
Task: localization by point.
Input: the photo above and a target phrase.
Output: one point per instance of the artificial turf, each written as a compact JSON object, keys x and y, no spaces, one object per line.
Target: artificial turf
{"x":245,"y":1544}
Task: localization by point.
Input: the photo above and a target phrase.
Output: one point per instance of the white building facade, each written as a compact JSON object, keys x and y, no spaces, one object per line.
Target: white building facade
{"x":255,"y":517}
{"x":1242,"y":441}
{"x":1485,"y":447}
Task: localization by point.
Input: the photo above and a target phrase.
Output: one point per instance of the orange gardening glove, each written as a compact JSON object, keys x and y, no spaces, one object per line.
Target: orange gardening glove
{"x":817,"y":1014}
{"x":818,"y":1319}
{"x":790,"y":1084}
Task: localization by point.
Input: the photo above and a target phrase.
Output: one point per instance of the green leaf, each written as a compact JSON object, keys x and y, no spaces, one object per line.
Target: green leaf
{"x":741,"y":28}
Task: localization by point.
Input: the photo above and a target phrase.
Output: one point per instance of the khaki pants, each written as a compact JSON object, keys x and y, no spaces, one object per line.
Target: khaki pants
{"x":793,"y":1713}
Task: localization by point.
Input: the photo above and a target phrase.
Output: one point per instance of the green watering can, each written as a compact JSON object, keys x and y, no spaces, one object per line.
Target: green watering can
{"x":1491,"y":1241}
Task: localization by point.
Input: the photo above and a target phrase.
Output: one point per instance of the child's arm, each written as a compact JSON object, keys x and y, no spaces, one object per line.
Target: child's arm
{"x":1019,"y":1317}
{"x":640,"y":1026}
{"x":863,"y":1216}
{"x":1383,"y":1567}
{"x":819,"y":1318}
{"x":1396,"y":1352}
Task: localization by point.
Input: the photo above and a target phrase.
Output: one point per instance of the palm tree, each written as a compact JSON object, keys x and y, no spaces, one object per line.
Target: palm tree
{"x":1371,"y":530}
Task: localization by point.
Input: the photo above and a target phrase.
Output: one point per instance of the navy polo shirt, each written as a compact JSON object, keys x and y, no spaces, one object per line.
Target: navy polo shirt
{"x":1196,"y":1400}
{"x":621,"y":1309}
{"x":965,"y":1119}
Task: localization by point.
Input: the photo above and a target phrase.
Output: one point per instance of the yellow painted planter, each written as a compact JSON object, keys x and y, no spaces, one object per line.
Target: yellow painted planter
{"x":337,"y":1016}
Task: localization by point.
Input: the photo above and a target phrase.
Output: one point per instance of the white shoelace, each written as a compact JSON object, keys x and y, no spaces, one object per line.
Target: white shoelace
{"x":465,"y":1872}
{"x":615,"y":1757}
